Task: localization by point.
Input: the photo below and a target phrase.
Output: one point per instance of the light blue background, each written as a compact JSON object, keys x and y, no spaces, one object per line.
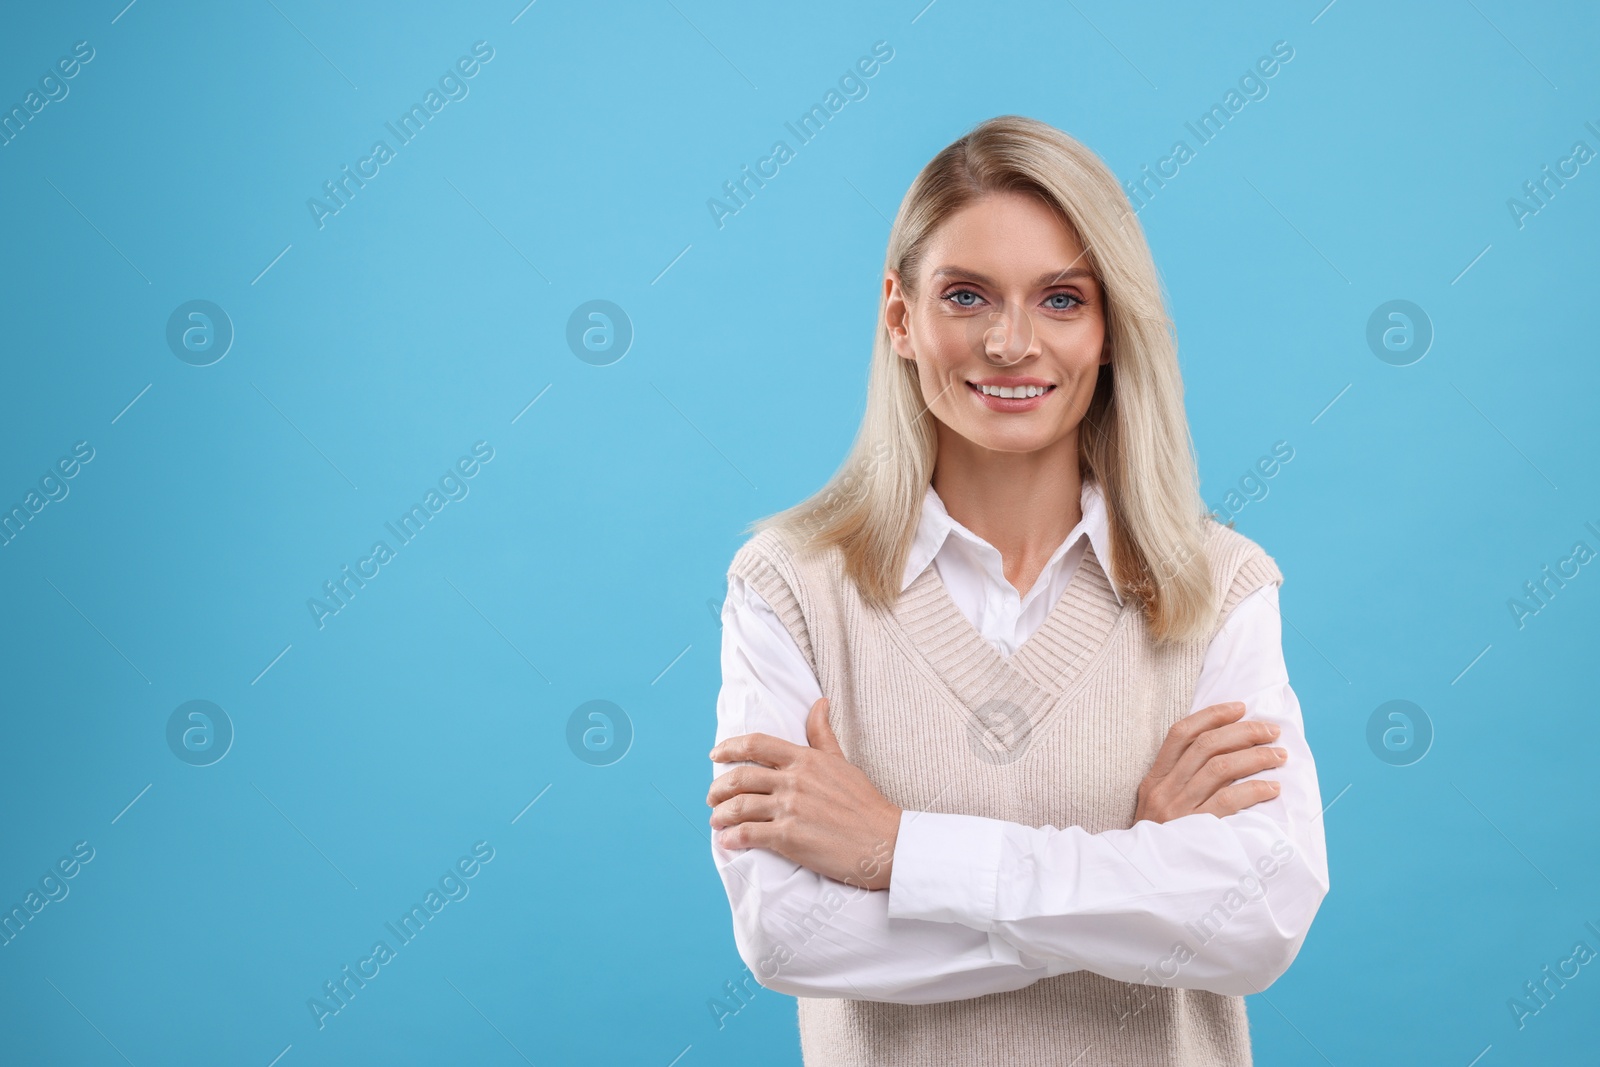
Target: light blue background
{"x":430,"y":311}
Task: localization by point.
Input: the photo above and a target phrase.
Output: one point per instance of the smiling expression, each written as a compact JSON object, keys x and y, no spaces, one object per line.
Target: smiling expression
{"x":1007,"y":326}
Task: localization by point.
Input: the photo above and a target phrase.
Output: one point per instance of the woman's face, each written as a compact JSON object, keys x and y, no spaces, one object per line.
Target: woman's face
{"x":1005,"y":299}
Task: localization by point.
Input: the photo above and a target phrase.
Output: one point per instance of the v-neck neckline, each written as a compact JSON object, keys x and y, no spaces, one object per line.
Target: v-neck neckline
{"x":1041,"y":670}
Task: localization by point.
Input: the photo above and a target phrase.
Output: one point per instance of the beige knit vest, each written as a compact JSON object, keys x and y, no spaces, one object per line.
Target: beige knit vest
{"x":1060,"y":733}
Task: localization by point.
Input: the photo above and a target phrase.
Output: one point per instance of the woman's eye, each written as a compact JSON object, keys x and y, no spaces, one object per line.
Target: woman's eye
{"x":1063,"y":306}
{"x":956,"y":298}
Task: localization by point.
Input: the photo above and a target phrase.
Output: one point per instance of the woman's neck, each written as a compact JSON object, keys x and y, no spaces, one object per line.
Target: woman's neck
{"x":1023,"y":503}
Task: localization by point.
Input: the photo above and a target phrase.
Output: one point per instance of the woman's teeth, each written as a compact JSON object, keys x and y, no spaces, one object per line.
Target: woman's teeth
{"x":1013,"y":391}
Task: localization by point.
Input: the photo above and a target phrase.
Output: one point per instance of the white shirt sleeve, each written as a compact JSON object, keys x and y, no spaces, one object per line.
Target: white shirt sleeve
{"x":1220,"y":904}
{"x":799,"y":932}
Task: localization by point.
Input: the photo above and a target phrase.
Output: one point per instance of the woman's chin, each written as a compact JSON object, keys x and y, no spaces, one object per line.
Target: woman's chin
{"x":1017,"y":439}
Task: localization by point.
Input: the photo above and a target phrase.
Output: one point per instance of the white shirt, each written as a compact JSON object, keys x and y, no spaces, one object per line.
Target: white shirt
{"x":978,"y":905}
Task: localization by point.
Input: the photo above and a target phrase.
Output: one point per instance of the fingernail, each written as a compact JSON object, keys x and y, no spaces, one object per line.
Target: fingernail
{"x":1283,"y":754}
{"x":1276,"y":787}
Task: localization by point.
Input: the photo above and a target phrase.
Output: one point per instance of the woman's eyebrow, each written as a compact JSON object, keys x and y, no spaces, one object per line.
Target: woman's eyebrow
{"x":1065,"y":274}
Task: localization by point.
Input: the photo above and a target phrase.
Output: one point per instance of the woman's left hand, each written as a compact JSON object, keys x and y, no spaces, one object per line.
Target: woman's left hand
{"x":810,"y":805}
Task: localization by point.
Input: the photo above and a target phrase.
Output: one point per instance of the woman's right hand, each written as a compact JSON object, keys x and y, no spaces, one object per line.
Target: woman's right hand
{"x":1198,"y":767}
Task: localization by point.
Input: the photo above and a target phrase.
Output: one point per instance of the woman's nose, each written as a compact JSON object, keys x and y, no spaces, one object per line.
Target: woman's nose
{"x":1007,"y":335}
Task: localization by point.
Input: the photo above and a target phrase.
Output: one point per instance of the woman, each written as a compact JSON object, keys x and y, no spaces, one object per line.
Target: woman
{"x":998,"y":702}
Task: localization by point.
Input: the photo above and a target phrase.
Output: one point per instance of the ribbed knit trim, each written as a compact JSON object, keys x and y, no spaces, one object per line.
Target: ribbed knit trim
{"x":1049,"y":659}
{"x":934,"y":632}
{"x":1256,"y":571}
{"x":764,"y":562}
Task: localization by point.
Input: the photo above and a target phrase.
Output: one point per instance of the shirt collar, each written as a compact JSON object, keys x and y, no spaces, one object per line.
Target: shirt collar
{"x":936,"y":525}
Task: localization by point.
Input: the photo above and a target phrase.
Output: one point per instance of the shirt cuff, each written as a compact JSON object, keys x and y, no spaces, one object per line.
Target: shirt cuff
{"x":946,"y":869}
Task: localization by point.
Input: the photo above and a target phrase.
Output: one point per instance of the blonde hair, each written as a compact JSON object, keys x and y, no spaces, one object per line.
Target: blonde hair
{"x":1133,"y":441}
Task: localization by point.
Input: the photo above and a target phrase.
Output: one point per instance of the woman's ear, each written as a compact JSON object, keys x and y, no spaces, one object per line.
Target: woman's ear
{"x":897,"y":315}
